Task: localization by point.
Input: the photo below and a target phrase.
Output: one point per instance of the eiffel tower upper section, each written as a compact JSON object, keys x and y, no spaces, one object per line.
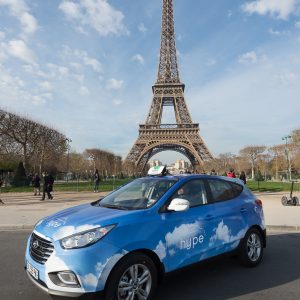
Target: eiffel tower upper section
{"x":183,"y":136}
{"x":168,"y":68}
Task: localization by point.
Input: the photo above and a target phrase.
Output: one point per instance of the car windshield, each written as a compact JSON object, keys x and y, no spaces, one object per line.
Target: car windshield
{"x":138,"y":194}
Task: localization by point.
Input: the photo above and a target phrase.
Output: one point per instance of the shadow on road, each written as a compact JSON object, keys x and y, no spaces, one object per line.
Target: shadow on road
{"x":220,"y":278}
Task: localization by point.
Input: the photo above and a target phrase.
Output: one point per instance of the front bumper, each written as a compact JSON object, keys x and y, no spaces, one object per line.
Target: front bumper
{"x":43,"y":287}
{"x":91,"y":265}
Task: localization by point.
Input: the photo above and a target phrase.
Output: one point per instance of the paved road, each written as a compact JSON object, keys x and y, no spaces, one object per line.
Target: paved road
{"x":278,"y":277}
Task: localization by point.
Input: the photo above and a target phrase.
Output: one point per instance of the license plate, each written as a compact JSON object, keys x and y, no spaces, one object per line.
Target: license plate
{"x":32,"y":271}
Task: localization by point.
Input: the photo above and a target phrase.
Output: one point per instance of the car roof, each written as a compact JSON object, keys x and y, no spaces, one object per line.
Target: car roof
{"x":204,"y":176}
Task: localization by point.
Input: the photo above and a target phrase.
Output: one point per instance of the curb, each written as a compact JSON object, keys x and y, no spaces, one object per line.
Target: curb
{"x":16,"y":227}
{"x":283,"y":228}
{"x":269,"y":228}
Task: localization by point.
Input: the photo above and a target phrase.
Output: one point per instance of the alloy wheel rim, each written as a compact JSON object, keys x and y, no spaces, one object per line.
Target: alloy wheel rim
{"x":253,"y":247}
{"x":135,"y":283}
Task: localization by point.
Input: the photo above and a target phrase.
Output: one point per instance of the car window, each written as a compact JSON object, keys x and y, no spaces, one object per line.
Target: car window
{"x":222,"y":190}
{"x":138,"y":194}
{"x":194,"y":191}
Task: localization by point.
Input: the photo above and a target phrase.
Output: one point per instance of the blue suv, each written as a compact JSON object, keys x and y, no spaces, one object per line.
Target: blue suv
{"x":124,"y":242}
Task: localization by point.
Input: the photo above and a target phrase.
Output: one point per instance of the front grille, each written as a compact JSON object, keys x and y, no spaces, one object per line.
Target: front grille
{"x":40,"y":249}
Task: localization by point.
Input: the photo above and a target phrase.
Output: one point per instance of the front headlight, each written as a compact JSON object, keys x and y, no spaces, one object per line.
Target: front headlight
{"x":85,"y":238}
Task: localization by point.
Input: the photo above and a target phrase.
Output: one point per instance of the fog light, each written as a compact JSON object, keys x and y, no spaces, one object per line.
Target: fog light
{"x":68,"y":278}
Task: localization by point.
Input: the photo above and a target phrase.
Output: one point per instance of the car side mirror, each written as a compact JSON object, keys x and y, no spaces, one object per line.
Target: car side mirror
{"x":178,"y":204}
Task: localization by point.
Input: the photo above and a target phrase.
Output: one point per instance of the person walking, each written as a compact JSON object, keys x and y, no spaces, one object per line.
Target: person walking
{"x":96,"y":181}
{"x":50,"y":185}
{"x":231,"y":173}
{"x":36,"y":185}
{"x":48,"y":181}
{"x":243,"y":177}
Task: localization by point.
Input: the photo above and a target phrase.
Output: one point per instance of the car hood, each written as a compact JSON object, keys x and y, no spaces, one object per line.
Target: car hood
{"x":78,"y":219}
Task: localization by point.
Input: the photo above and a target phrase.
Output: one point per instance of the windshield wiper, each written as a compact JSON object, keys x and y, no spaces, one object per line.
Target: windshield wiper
{"x":113,"y":206}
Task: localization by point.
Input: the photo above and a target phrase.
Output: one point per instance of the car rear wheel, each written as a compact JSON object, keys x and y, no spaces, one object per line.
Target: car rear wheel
{"x":134,"y":277}
{"x":251,"y":250}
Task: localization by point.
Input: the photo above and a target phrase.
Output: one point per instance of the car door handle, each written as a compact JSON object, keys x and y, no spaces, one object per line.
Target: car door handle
{"x":209,"y":217}
{"x":243,"y":210}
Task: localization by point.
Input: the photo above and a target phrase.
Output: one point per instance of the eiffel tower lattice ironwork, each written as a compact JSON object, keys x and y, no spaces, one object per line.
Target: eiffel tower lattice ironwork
{"x":184,"y":136}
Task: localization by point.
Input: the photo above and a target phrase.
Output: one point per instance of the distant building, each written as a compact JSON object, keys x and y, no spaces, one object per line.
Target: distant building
{"x":180,"y":166}
{"x":154,"y":163}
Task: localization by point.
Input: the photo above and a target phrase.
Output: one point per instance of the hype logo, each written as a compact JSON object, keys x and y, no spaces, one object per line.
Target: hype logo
{"x":57,"y":222}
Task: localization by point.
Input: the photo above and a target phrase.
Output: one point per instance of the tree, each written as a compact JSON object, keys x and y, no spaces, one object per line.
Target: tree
{"x":251,"y":153}
{"x":20,"y":178}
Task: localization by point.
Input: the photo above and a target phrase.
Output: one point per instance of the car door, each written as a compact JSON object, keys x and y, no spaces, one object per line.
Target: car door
{"x":187,"y":233}
{"x":229,"y":224}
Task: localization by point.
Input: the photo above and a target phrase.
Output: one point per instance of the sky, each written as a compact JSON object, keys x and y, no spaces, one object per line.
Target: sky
{"x":86,"y":68}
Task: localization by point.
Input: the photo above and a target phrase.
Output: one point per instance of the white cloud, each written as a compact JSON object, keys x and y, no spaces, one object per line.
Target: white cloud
{"x":19,"y":49}
{"x":46,"y":85}
{"x":29,"y":23}
{"x":277,"y":32}
{"x":114,"y":84}
{"x":84,"y":91}
{"x":139,"y":58}
{"x":70,"y":9}
{"x":248,"y":58}
{"x":2,"y":35}
{"x":297,"y":24}
{"x":142,"y":27}
{"x":286,"y":77}
{"x":280,"y":9}
{"x":160,"y":250}
{"x":182,"y":232}
{"x":117,"y":102}
{"x":85,"y":58}
{"x":252,"y":57}
{"x":90,"y":280}
{"x":211,"y":62}
{"x":20,"y":10}
{"x":222,"y":233}
{"x":97,"y":14}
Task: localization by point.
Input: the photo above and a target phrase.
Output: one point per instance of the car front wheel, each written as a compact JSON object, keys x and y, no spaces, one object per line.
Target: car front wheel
{"x":251,"y":251}
{"x":134,"y":277}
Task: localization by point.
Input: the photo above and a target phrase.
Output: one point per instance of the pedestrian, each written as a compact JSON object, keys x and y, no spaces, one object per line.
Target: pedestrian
{"x":36,"y":184}
{"x":231,"y":173}
{"x":48,"y":181}
{"x":1,"y":183}
{"x":50,"y":185}
{"x":96,"y":181}
{"x":213,"y":172}
{"x":243,"y":177}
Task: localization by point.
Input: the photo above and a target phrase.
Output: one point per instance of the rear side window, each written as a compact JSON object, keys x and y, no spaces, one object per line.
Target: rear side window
{"x":223,"y":190}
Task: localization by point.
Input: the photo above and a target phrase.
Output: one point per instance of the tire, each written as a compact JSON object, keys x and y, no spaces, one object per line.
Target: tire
{"x":295,"y":201}
{"x":284,"y":200}
{"x":135,"y":275}
{"x":251,"y":248}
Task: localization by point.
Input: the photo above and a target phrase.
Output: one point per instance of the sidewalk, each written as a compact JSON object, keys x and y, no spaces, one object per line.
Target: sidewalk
{"x":23,"y":210}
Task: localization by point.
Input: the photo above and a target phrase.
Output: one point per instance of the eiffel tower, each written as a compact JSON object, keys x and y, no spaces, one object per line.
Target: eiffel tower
{"x":155,"y":137}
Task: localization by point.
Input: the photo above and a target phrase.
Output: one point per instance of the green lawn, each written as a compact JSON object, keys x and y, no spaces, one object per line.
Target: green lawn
{"x":73,"y":186}
{"x":109,"y":185}
{"x":269,"y":186}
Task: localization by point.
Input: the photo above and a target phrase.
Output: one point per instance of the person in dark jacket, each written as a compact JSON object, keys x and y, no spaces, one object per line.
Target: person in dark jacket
{"x":48,"y":182}
{"x":243,"y":177}
{"x":36,"y":184}
{"x":96,"y":181}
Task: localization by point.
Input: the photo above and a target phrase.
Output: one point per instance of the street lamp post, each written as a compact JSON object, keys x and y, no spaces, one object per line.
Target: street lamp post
{"x":68,"y":156}
{"x":289,"y":171}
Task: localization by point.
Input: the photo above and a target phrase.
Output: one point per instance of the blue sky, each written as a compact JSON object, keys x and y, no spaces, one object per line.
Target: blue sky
{"x":86,"y":67}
